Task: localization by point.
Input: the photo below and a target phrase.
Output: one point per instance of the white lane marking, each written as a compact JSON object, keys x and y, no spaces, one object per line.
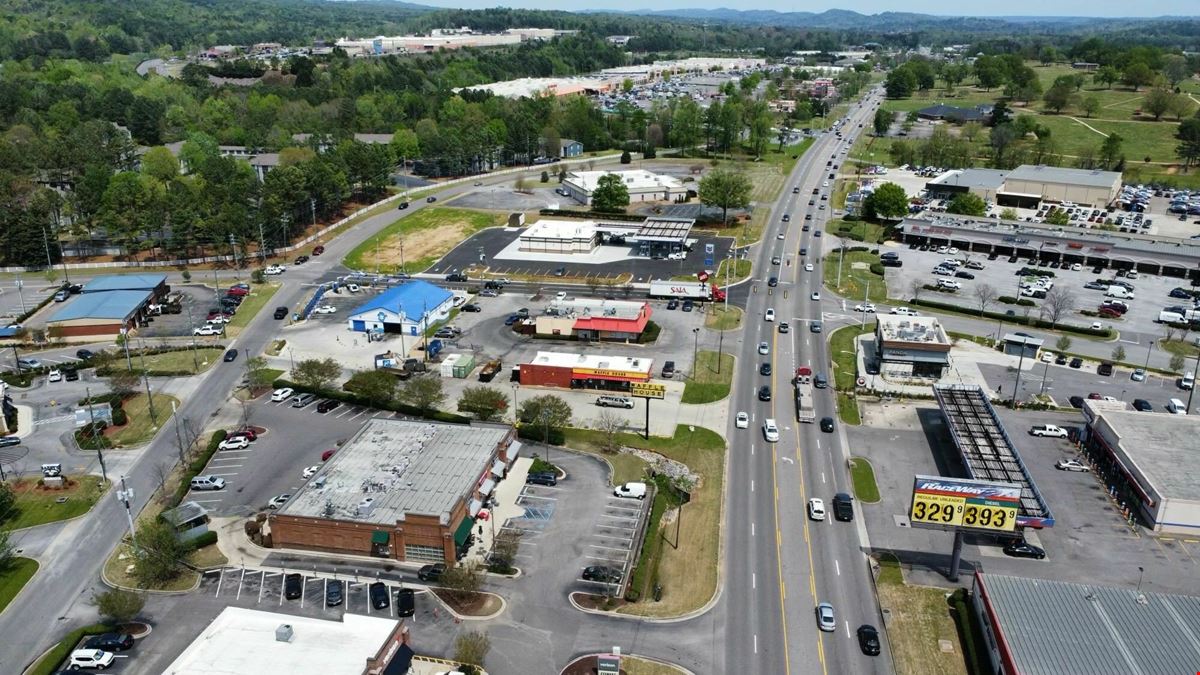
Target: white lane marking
{"x":847,"y":624}
{"x":822,"y":477}
{"x":753,"y":580}
{"x":240,"y":582}
{"x":752,"y":486}
{"x":837,"y":567}
{"x":752,"y":528}
{"x":756,"y":643}
{"x":818,"y":444}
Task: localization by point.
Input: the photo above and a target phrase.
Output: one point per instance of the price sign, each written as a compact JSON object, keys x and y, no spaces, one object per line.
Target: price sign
{"x":951,"y":503}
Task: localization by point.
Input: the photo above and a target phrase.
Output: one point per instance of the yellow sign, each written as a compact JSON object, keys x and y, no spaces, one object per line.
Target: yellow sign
{"x":607,"y":373}
{"x":948,"y":502}
{"x":647,"y":390}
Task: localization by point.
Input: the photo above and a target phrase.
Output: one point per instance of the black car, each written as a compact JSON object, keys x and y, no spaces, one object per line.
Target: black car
{"x":868,"y":640}
{"x":1142,"y":404}
{"x":110,"y":642}
{"x":432,"y":572}
{"x":456,"y":277}
{"x":1076,"y":401}
{"x":1076,"y":362}
{"x":512,"y":318}
{"x":764,"y":369}
{"x":293,"y":586}
{"x":300,"y":260}
{"x":688,"y":306}
{"x":820,"y":382}
{"x":430,"y":199}
{"x":787,"y":218}
{"x":1105,"y":369}
{"x":773,"y":282}
{"x":843,"y":507}
{"x":9,"y":441}
{"x":542,"y":478}
{"x":327,"y":405}
{"x":1061,"y":360}
{"x":672,"y":304}
{"x":403,"y":205}
{"x":803,"y":250}
{"x":378,"y":592}
{"x":964,"y":275}
{"x":1019,"y":548}
{"x":471,"y":307}
{"x":764,"y":393}
{"x":602,"y":574}
{"x":1179,"y":293}
{"x":230,"y":355}
{"x":281,"y":313}
{"x":85,"y":354}
{"x":334,"y":593}
{"x":827,"y":424}
{"x":70,"y":374}
{"x":406,"y":603}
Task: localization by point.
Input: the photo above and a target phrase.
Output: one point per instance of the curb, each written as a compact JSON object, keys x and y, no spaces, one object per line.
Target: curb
{"x":463,"y":617}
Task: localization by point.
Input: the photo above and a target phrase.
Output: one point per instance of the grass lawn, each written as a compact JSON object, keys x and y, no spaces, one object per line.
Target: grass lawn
{"x":1178,"y":347}
{"x":48,"y":664}
{"x":183,"y":361}
{"x":871,"y":233}
{"x":841,"y":348}
{"x":115,"y":570}
{"x":632,"y":665}
{"x":740,"y":270}
{"x":856,"y":276}
{"x":414,"y":242}
{"x":14,"y":577}
{"x":35,"y":506}
{"x":260,"y":295}
{"x":141,"y":428}
{"x":719,"y":318}
{"x":863,"y":475}
{"x":706,"y":384}
{"x":688,"y":573}
{"x":920,"y":621}
{"x":848,"y":408}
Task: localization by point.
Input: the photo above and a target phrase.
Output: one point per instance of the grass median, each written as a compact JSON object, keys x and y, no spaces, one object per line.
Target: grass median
{"x":191,"y":361}
{"x":720,"y":318}
{"x":855,"y":278}
{"x":863,"y":475}
{"x":142,"y":426}
{"x":842,"y":349}
{"x":711,"y":378}
{"x":36,"y":505}
{"x":259,"y":296}
{"x":920,"y":623}
{"x":13,"y":577}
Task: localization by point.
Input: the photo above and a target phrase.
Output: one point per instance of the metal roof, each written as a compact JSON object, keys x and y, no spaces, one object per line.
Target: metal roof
{"x":1160,"y":447}
{"x":410,"y":299}
{"x":124,"y":282}
{"x":981,"y":178}
{"x":1062,"y":628}
{"x":395,"y":467}
{"x":1064,"y":175}
{"x":117,"y":305}
{"x":665,"y":229}
{"x":987,"y":451}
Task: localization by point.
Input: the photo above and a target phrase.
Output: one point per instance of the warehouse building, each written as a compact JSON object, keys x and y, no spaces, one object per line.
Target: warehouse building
{"x":1042,"y":627}
{"x":585,"y":371}
{"x":156,"y":283}
{"x":1028,"y":185}
{"x":911,"y":346}
{"x":102,"y":313}
{"x":643,"y":186}
{"x":399,"y":489}
{"x":986,"y":183}
{"x":1147,"y":461}
{"x":407,"y":309}
{"x":590,"y":319}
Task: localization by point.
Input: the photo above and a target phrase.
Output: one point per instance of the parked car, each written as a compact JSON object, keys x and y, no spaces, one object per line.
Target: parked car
{"x":406,"y":603}
{"x":327,"y":405}
{"x":1070,"y":465}
{"x":280,"y":395}
{"x":432,"y":573}
{"x":84,"y":354}
{"x":542,"y":478}
{"x":1076,"y":362}
{"x":380,"y":598}
{"x":1019,"y":548}
{"x":334,"y":592}
{"x":325,"y":309}
{"x":110,"y":642}
{"x":234,"y":443}
{"x":302,"y":400}
{"x":602,"y":573}
{"x":55,"y":375}
{"x":70,"y":373}
{"x":293,"y":586}
{"x":1048,"y":431}
{"x":1142,"y":405}
{"x":29,"y":364}
{"x":278,"y":501}
{"x":1105,"y":369}
{"x":97,"y":659}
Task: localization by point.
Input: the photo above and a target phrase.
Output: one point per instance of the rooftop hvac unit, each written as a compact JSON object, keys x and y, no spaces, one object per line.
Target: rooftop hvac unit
{"x":365,"y":506}
{"x":284,"y":633}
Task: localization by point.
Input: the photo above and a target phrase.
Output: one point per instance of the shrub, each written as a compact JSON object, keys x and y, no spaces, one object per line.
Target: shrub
{"x":1025,"y":302}
{"x":207,"y":539}
{"x":877,"y":268}
{"x":354,"y":399}
{"x":1018,"y":319}
{"x":536,"y":432}
{"x":651,"y":333}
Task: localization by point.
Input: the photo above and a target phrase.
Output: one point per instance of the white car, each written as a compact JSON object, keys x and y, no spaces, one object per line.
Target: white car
{"x":278,"y":501}
{"x":868,"y":308}
{"x":1076,"y":267}
{"x":1048,"y":430}
{"x":55,"y":375}
{"x":1096,"y":325}
{"x":904,"y":311}
{"x":764,"y":348}
{"x":560,"y":296}
{"x":769,"y":315}
{"x":779,"y":236}
{"x":274,"y":269}
{"x":1047,"y":357}
{"x":458,"y":300}
{"x":770,"y":431}
{"x":234,"y":443}
{"x":825,"y":184}
{"x":311,"y":471}
{"x":742,"y":421}
{"x":91,"y":658}
{"x":949,"y":283}
{"x":218,"y":320}
{"x":211,"y":329}
{"x":281,"y":395}
{"x":1070,"y":465}
{"x":952,"y":250}
{"x":816,"y":509}
{"x":325,"y":309}
{"x":815,"y":295}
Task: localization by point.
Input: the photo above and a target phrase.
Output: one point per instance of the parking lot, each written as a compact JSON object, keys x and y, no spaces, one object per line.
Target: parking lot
{"x":16,"y":300}
{"x":1089,"y":543}
{"x":1062,"y":382}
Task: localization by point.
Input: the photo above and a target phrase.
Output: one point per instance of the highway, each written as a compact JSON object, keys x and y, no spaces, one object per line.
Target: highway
{"x":779,"y":563}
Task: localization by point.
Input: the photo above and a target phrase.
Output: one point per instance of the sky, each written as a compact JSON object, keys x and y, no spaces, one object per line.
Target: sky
{"x":1105,"y":8}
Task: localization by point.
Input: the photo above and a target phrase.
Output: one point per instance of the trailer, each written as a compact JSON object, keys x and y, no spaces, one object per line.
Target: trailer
{"x":489,"y":370}
{"x":686,"y":290}
{"x":805,"y":412}
{"x":393,"y":364}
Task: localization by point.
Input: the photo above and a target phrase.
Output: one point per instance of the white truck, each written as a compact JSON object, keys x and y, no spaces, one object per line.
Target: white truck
{"x":1172,"y":316}
{"x":805,"y":411}
{"x":686,"y":290}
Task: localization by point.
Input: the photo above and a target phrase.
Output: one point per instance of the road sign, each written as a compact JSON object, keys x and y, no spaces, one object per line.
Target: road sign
{"x":648,"y":390}
{"x":946,"y":503}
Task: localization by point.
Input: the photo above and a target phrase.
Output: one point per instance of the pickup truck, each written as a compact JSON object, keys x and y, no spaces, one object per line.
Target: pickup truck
{"x":1048,"y":431}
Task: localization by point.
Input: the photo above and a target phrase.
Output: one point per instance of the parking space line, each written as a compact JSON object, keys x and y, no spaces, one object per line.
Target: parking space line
{"x":220,"y":580}
{"x":240,"y":582}
{"x":224,"y":474}
{"x":611,"y":548}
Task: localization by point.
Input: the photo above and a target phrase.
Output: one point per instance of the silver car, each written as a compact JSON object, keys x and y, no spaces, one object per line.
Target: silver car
{"x":825,"y":620}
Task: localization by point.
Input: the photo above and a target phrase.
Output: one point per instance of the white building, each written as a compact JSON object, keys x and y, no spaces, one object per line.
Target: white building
{"x":561,"y":236}
{"x":407,"y":309}
{"x":643,"y":186}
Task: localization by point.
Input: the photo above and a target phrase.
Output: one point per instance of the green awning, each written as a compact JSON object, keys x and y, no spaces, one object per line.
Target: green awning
{"x":380,"y":537}
{"x":463,"y":531}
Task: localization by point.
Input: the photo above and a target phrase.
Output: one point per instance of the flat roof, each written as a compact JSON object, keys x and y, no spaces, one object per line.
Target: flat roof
{"x":411,"y":298}
{"x":632,"y":364}
{"x":1160,"y":446}
{"x":1063,"y":628}
{"x":551,"y":228}
{"x":115,"y":305}
{"x":665,"y":229}
{"x":636,"y":179}
{"x":1064,"y":175}
{"x":916,"y":329}
{"x":124,"y":282}
{"x":590,"y":307}
{"x":1024,"y":340}
{"x":992,"y":179}
{"x":242,"y":641}
{"x":392,"y":467}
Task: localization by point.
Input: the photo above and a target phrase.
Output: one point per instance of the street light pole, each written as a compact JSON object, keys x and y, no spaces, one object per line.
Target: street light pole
{"x":1192,"y":391}
{"x":125,"y":495}
{"x":1020,"y":363}
{"x":695,"y":350}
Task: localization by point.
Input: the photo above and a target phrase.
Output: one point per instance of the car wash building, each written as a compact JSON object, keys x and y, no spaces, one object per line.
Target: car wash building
{"x":407,"y":309}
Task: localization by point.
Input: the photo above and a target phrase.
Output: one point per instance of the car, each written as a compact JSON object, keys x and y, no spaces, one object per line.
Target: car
{"x":230,"y":355}
{"x":808,"y":267}
{"x":281,"y":395}
{"x":1076,"y":362}
{"x":547,"y":478}
{"x":783,"y":327}
{"x":85,"y":354}
{"x":325,"y":309}
{"x":764,"y":393}
{"x":867,"y":308}
{"x":688,"y":306}
{"x":245,"y":432}
{"x":380,"y":597}
{"x":816,"y":508}
{"x":787,"y":218}
{"x":327,"y":454}
{"x":1180,"y":293}
{"x":773,"y":282}
{"x":432,"y":572}
{"x":1048,"y":431}
{"x":814,"y":326}
{"x":1105,"y":368}
{"x":29,"y":363}
{"x":110,"y":642}
{"x":334,"y":592}
{"x":1142,"y":405}
{"x":825,"y":618}
{"x":310,"y":471}
{"x":764,"y":348}
{"x":1070,"y":465}
{"x":1047,"y":357}
{"x":1061,"y":360}
{"x":208,"y":482}
{"x":815,"y":296}
{"x":278,"y":501}
{"x":70,"y":373}
{"x":97,"y":659}
{"x":406,"y":602}
{"x":300,"y":260}
{"x":1019,"y":548}
{"x":769,"y":315}
{"x":770,"y":430}
{"x":61,"y":296}
{"x":672,"y":304}
{"x":318,"y":250}
{"x":764,"y":369}
{"x":602,"y":573}
{"x":234,"y":443}
{"x":274,"y":269}
{"x":1138,"y":375}
{"x":55,"y":375}
{"x":775,"y":260}
{"x":430,"y":199}
{"x":327,"y":405}
{"x":742,"y":421}
{"x":281,"y":313}
{"x":820,"y":382}
{"x":868,"y":640}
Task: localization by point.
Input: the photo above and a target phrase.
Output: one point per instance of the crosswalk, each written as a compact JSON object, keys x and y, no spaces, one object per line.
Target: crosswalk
{"x":54,"y":420}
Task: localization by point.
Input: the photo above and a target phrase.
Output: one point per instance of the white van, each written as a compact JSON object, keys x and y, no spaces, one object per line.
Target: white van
{"x":208,"y":483}
{"x":1176,"y":406}
{"x":614,"y":401}
{"x":1169,"y":317}
{"x":1187,"y":381}
{"x":1118,"y":292}
{"x":631,"y":491}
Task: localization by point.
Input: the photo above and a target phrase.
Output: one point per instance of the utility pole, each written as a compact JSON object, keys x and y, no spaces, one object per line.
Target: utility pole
{"x":866,"y":294}
{"x":192,"y":330}
{"x":178,"y":434}
{"x":1192,"y":391}
{"x":21,"y":292}
{"x":125,"y":495}
{"x":695,"y":350}
{"x":262,"y":245}
{"x":99,"y":452}
{"x":237,"y":266}
{"x":125,"y":344}
{"x":46,"y":242}
{"x":841,"y":257}
{"x":146,"y":381}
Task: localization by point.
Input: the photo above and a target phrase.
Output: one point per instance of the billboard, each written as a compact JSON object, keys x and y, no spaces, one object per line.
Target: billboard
{"x":946,"y":503}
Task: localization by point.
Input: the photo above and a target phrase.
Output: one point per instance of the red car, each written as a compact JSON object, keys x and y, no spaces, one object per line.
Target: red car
{"x":327,"y":454}
{"x":246,"y":431}
{"x":238,"y":290}
{"x":1094,"y":396}
{"x":318,"y":250}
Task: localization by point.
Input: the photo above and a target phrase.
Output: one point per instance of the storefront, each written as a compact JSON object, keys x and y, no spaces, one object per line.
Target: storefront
{"x":586,"y":371}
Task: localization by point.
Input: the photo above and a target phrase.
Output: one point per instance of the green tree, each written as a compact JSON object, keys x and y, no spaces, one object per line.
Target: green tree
{"x":485,"y":403}
{"x":1009,"y":214}
{"x":1177,"y":363}
{"x":626,"y":158}
{"x":1059,"y":97}
{"x":546,"y":413}
{"x":1090,"y":105}
{"x":159,"y":163}
{"x":1063,"y":344}
{"x":1110,"y":150}
{"x":1188,"y":136}
{"x":1106,"y":75}
{"x":118,"y":606}
{"x":7,"y":499}
{"x":1158,"y":101}
{"x":726,"y":189}
{"x":377,"y":386}
{"x":887,"y":202}
{"x":471,"y":647}
{"x":158,"y":554}
{"x":989,"y":72}
{"x":883,"y":121}
{"x":1059,"y":217}
{"x":258,"y":373}
{"x":424,"y":392}
{"x":317,"y":373}
{"x":1176,"y":69}
{"x":611,"y":194}
{"x":900,"y":83}
{"x":1118,"y":354}
{"x":1047,"y":55}
{"x":1137,"y":75}
{"x":967,"y":204}
{"x":405,"y":144}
